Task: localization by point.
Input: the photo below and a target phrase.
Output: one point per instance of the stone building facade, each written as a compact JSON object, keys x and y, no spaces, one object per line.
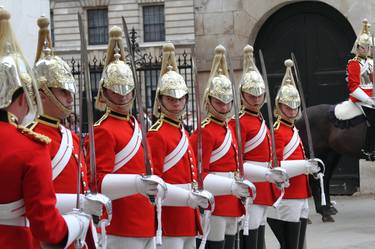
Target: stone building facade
{"x":176,"y":16}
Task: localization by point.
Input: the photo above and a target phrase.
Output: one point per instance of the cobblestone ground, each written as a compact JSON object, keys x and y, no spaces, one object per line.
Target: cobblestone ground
{"x":354,"y":227}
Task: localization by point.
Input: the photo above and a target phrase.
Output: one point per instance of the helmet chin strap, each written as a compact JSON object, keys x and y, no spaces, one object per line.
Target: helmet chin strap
{"x":65,"y":111}
{"x":284,"y":116}
{"x":168,"y":113}
{"x":121,"y":108}
{"x":219,"y":115}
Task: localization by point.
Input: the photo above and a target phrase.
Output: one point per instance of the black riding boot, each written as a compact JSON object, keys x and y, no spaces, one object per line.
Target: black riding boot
{"x":261,"y":239}
{"x":249,"y":241}
{"x":278,"y":228}
{"x":302,"y":233}
{"x":292,"y":230}
{"x":229,"y":241}
{"x":213,"y":245}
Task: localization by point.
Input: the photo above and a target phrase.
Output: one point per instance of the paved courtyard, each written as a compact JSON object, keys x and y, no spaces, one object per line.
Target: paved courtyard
{"x":354,"y":227}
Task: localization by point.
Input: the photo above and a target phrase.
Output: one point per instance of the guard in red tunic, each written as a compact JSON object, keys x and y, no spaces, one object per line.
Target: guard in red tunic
{"x":27,"y":207}
{"x":292,"y":213}
{"x":119,"y":155}
{"x":257,"y":151}
{"x":174,"y":159}
{"x":219,"y":156}
{"x":57,"y":89}
{"x":360,"y":73}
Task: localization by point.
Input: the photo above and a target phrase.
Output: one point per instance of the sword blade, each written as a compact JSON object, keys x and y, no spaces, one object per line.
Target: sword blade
{"x":199,"y":121}
{"x":237,"y":118}
{"x":138,"y":98}
{"x":304,"y":112}
{"x":90,"y":115}
{"x":373,"y":63}
{"x":269,"y":110}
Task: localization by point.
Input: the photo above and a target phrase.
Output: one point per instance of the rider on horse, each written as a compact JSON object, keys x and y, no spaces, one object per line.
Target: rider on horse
{"x":360,"y":84}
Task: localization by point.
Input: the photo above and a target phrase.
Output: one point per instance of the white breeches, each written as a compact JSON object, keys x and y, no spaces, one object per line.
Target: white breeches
{"x":118,"y":242}
{"x":221,"y":226}
{"x":257,"y":216}
{"x":293,"y":209}
{"x":178,"y":243}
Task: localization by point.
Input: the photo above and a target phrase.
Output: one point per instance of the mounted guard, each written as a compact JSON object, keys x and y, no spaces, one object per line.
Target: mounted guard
{"x":360,"y":78}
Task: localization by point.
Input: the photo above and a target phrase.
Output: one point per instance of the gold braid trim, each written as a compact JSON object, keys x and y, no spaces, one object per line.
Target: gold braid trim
{"x":34,"y":135}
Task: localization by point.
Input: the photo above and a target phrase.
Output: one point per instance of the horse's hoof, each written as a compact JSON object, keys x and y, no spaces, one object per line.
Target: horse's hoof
{"x":327,"y":218}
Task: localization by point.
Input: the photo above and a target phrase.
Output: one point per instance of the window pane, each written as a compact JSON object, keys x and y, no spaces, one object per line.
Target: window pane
{"x":97,"y":21}
{"x":153,"y":23}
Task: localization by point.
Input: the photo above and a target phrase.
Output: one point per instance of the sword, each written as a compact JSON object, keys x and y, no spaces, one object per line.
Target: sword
{"x":93,"y":195}
{"x":308,"y":130}
{"x":199,"y":122}
{"x":239,"y":154}
{"x":138,"y":98}
{"x":272,"y":130}
{"x":200,"y":191}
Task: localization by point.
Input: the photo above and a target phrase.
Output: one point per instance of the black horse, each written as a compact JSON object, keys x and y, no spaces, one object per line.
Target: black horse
{"x":331,"y":139}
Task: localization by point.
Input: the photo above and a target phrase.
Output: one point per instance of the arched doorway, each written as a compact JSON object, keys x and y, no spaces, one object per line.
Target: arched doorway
{"x":321,"y":39}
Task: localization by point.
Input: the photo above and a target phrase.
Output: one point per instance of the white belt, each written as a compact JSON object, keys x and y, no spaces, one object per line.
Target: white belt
{"x":263,"y":164}
{"x":186,"y":186}
{"x":18,"y":222}
{"x":224,"y":174}
{"x":12,"y":210}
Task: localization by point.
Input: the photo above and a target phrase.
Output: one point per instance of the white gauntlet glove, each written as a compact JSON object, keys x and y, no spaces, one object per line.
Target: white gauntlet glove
{"x":195,"y":200}
{"x":312,"y":166}
{"x":240,"y":190}
{"x":78,"y":224}
{"x":148,"y":185}
{"x":90,"y":206}
{"x":277,"y":175}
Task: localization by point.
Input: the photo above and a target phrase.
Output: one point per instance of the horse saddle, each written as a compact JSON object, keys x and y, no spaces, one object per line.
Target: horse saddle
{"x":346,"y":114}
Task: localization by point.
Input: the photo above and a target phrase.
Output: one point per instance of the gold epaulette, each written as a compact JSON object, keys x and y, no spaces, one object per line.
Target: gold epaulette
{"x":104,"y":117}
{"x":33,"y":135}
{"x":156,"y":126}
{"x":205,"y":122}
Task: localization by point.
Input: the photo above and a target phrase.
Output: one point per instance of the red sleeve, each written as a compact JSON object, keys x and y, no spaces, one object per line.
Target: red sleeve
{"x":207,"y":148}
{"x":158,"y":151}
{"x":46,"y":223}
{"x":279,"y":144}
{"x":353,"y":75}
{"x":104,"y":152}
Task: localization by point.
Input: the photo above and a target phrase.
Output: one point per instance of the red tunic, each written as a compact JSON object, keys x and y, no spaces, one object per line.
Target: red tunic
{"x":250,"y":125}
{"x":354,"y":77}
{"x":213,"y":134}
{"x":66,"y":181}
{"x":133,"y":216}
{"x":299,"y":185}
{"x":163,"y":137}
{"x":25,"y":173}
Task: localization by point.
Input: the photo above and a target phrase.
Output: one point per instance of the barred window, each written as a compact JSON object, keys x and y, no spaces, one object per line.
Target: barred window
{"x":153,"y":23}
{"x":97,"y":23}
